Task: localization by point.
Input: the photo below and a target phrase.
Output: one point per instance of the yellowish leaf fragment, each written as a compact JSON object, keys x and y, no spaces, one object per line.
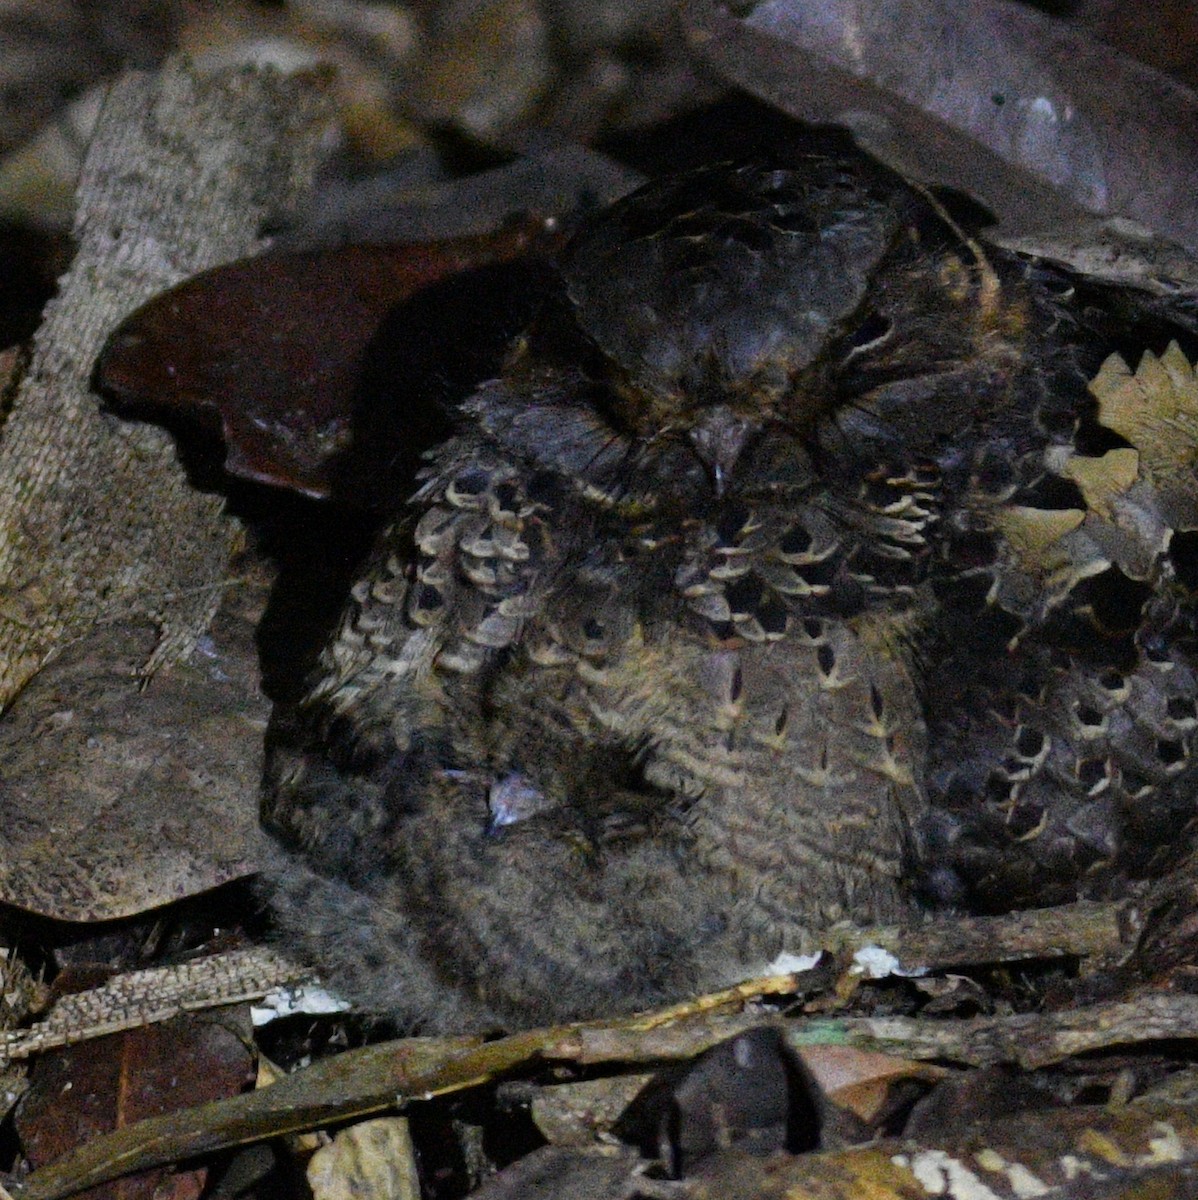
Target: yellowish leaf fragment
{"x":1103,"y":479}
{"x":1031,"y":532}
{"x":1106,"y":1149}
{"x":1155,"y":408}
{"x":373,"y":1159}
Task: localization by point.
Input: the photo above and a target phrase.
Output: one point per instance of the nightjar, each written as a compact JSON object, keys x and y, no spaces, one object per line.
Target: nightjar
{"x":805,"y":557}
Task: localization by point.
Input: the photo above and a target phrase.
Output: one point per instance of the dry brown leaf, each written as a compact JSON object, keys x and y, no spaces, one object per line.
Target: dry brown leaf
{"x":1027,"y":114}
{"x":860,"y":1080}
{"x":118,"y":798}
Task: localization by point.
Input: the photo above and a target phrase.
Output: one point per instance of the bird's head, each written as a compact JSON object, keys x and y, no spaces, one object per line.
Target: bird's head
{"x":718,"y":309}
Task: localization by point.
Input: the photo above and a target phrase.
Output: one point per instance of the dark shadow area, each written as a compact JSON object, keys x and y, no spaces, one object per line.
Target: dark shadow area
{"x":734,"y":128}
{"x":30,"y":262}
{"x":73,"y":955}
{"x":428,"y":354}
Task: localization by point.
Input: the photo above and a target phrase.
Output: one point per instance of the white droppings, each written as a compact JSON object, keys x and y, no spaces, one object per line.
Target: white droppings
{"x":876,"y":962}
{"x":309,"y":999}
{"x":791,"y":964}
{"x":1166,"y":1146}
{"x":1023,"y":1183}
{"x":1073,"y":1168}
{"x":941,"y":1174}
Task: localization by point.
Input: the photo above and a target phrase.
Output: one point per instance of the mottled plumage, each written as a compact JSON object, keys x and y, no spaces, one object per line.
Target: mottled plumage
{"x":784,"y":572}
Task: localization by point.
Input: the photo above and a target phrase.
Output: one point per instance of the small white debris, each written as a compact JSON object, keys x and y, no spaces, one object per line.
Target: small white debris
{"x":1024,"y":1185}
{"x":513,"y":799}
{"x":941,"y":1174}
{"x":792,"y":964}
{"x":875,"y":962}
{"x":1073,"y":1168}
{"x":310,"y":999}
{"x":1166,"y":1147}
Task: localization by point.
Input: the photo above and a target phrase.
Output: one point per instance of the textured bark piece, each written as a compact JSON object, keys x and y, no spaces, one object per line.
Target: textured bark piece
{"x":97,"y":519}
{"x":155,"y":994}
{"x":118,"y":799}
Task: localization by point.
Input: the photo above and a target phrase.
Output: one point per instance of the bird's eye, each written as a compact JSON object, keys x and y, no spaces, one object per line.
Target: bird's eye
{"x":872,"y":332}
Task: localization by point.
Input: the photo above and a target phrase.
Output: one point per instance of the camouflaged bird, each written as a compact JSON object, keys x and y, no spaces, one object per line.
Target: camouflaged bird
{"x":804,"y":556}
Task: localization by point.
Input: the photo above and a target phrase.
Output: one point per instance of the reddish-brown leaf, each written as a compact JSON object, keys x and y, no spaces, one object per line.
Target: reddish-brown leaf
{"x":80,"y":1092}
{"x":270,"y":350}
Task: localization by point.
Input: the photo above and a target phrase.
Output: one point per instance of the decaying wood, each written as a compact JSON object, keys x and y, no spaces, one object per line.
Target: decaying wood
{"x":98,"y":521}
{"x":1092,"y":930}
{"x":1032,"y":1040}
